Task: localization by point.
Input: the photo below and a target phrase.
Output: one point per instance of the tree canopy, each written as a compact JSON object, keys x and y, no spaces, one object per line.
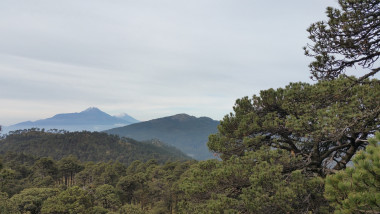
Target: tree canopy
{"x":357,"y":189}
{"x":350,"y":37}
{"x":87,"y":146}
{"x":252,"y":183}
{"x":315,"y":122}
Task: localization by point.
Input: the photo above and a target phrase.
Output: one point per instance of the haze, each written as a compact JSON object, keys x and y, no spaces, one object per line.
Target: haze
{"x":148,"y":58}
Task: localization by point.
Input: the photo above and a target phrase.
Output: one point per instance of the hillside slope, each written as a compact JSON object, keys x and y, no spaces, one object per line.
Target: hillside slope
{"x":187,"y":133}
{"x":87,"y":146}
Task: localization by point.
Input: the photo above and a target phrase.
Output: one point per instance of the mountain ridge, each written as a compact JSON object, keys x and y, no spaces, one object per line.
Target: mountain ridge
{"x":90,"y":119}
{"x":187,"y":133}
{"x":87,"y":146}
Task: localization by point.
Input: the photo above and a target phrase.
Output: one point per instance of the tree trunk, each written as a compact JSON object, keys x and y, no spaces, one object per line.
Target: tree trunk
{"x":342,"y":163}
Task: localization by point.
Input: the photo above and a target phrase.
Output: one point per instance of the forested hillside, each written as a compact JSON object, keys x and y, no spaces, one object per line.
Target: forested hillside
{"x":87,"y":146}
{"x":32,"y":184}
{"x":185,"y":132}
{"x":259,"y":182}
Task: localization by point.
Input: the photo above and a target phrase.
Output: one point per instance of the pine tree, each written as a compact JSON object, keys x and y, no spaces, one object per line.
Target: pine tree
{"x":316,"y":122}
{"x":350,"y":38}
{"x":357,"y":188}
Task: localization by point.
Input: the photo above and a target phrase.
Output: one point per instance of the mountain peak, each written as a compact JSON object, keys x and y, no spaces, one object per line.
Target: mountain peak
{"x":91,"y":119}
{"x":182,"y":117}
{"x":91,"y":109}
{"x":183,"y":131}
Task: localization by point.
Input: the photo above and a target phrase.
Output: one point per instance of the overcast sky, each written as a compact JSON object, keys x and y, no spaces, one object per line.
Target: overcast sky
{"x":148,"y":58}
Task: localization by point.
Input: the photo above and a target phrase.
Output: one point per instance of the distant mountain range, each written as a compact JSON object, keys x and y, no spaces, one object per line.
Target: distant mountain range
{"x":91,"y":119}
{"x":187,"y":133}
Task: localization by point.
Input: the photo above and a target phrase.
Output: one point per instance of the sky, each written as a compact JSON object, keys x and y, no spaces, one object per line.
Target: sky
{"x":148,"y":58}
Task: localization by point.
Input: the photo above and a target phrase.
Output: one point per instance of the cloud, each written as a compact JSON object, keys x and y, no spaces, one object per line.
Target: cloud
{"x":148,"y":58}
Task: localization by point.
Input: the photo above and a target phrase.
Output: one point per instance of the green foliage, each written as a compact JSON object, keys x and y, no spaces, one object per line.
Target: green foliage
{"x":126,"y":186}
{"x":45,"y":172}
{"x":99,"y":174}
{"x":30,"y":200}
{"x":68,"y":167}
{"x":14,"y":177}
{"x":357,"y":188}
{"x":74,"y":200}
{"x":252,"y":183}
{"x":349,"y":38}
{"x":151,"y":185}
{"x":94,"y":187}
{"x":129,"y":208}
{"x":316,"y":122}
{"x":6,"y":179}
{"x":105,"y":196}
{"x":98,"y":210}
{"x":6,"y":206}
{"x":87,"y":146}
